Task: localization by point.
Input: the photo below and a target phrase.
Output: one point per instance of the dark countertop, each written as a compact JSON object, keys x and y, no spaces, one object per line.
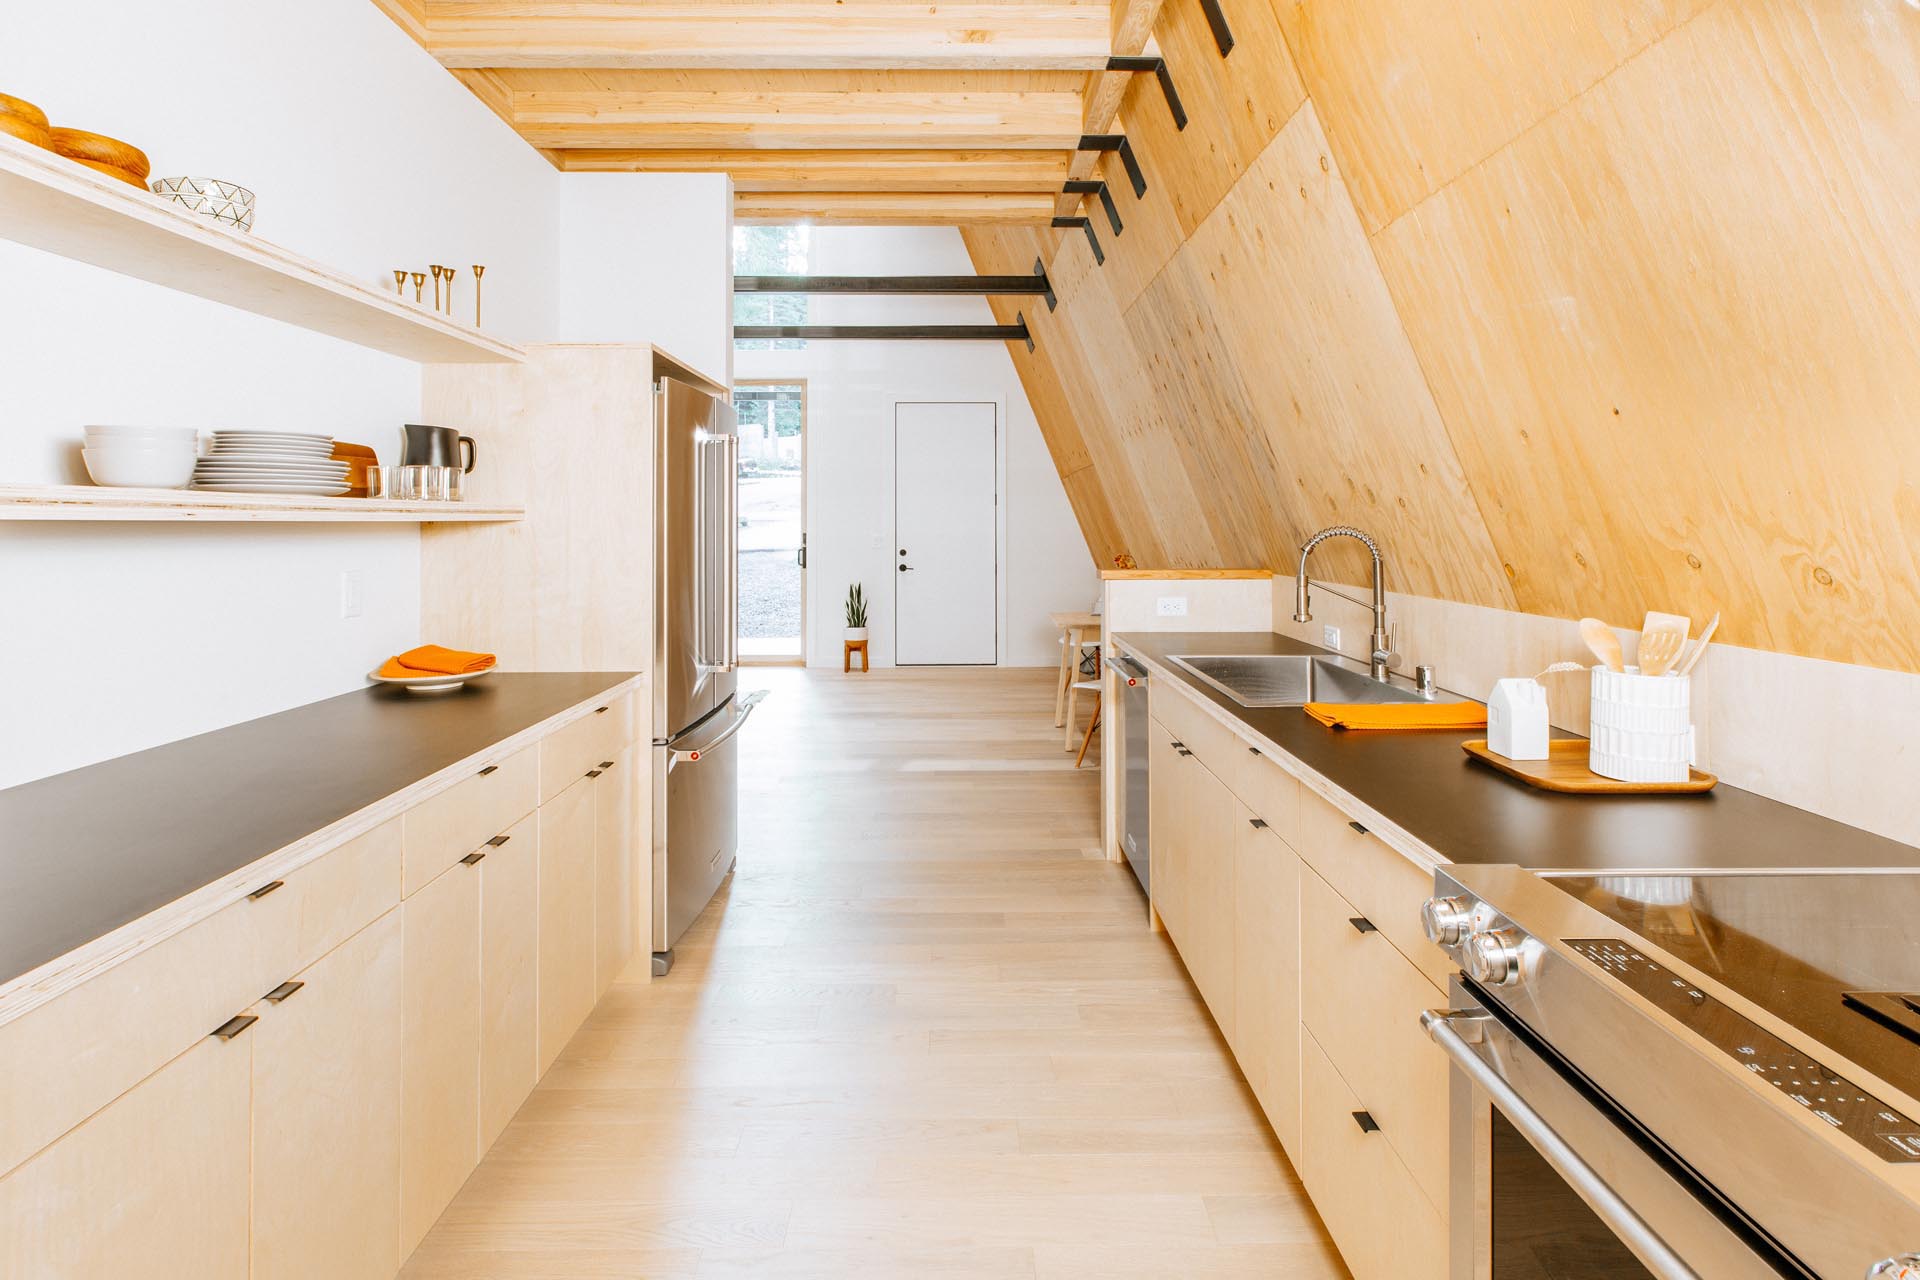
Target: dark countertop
{"x":85,"y":852}
{"x":1470,"y":813}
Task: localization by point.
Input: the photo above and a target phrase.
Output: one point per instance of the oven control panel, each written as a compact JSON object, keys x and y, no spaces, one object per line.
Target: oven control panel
{"x":1845,"y":1106}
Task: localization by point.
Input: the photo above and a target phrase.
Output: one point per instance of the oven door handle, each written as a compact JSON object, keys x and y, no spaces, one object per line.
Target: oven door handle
{"x":1443,"y":1025}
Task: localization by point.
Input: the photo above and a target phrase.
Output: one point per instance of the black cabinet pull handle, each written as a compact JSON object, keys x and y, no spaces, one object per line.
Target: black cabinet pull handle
{"x":599,"y":711}
{"x":1362,"y":925}
{"x":265,"y":889}
{"x":606,"y":764}
{"x":235,"y":1025}
{"x":474,"y":858}
{"x":1357,"y":827}
{"x":1366,"y":1122}
{"x":497,"y":841}
{"x":284,"y":990}
{"x":1177,"y":746}
{"x":1253,"y":751}
{"x":489,"y":769}
{"x":593,"y":773}
{"x":1258,"y":824}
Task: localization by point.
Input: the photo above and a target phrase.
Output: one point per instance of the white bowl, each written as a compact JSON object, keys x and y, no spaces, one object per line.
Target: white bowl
{"x":169,"y":467}
{"x":143,"y":435}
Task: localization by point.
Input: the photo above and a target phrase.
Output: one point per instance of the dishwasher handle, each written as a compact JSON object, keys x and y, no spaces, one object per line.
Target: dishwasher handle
{"x":1442,"y":1025}
{"x":1130,"y":671}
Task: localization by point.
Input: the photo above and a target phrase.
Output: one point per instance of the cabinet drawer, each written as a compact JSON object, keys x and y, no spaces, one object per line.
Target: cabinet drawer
{"x":1216,"y":745}
{"x":1363,"y":1004}
{"x":1270,"y":791}
{"x":568,"y":752}
{"x":1385,"y":887}
{"x":445,"y":828}
{"x":70,"y":1057}
{"x":1385,"y":1228}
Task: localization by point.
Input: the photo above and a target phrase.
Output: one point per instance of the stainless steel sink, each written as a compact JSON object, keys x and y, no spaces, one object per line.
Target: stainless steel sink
{"x":1289,"y":679}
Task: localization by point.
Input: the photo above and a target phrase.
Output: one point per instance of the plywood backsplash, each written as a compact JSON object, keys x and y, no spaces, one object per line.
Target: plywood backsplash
{"x":1581,"y":308}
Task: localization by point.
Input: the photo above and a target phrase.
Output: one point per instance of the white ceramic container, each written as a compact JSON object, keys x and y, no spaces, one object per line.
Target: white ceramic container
{"x":1641,"y":727}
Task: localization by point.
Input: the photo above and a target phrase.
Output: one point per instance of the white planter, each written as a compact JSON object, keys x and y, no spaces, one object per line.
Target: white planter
{"x":856,"y":633}
{"x":1641,"y":727}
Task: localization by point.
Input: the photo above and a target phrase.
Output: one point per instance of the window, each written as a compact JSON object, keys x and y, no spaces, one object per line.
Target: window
{"x":770,"y":251}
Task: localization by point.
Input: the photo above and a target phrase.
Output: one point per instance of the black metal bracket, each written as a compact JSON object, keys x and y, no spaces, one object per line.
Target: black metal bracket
{"x":1217,"y":19}
{"x":1040,"y":269}
{"x":1117,"y":142}
{"x":1159,"y":68}
{"x":891,"y":284}
{"x":885,"y":332}
{"x":1020,"y":319}
{"x":1095,"y":187}
{"x":1086,"y":225}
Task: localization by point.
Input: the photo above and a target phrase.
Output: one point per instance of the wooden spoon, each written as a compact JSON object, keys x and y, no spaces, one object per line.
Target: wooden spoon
{"x":1699,"y":647}
{"x":1599,"y":637}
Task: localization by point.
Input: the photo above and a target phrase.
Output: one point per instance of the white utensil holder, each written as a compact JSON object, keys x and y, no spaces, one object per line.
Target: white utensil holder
{"x":1641,"y":726}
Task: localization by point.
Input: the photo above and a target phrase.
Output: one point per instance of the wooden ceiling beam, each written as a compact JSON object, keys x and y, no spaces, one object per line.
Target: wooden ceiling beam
{"x":882,"y":208}
{"x":750,"y":120}
{"x":1132,"y":33}
{"x":881,"y":34}
{"x":773,"y":171}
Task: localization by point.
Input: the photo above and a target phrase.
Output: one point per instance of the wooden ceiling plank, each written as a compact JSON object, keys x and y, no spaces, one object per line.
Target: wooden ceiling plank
{"x":883,"y":208}
{"x":881,"y":34}
{"x":771,"y":171}
{"x":752,"y":120}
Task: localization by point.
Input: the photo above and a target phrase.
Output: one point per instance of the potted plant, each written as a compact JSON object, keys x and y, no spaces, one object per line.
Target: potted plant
{"x":856,"y":612}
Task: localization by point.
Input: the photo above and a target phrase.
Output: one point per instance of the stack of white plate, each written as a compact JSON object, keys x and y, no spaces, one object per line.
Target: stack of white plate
{"x":271,"y":462}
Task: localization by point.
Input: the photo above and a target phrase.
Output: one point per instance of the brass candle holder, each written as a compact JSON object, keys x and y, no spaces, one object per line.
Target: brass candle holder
{"x":478,"y":271}
{"x":400,"y":282}
{"x":419,"y":283}
{"x":438,"y":271}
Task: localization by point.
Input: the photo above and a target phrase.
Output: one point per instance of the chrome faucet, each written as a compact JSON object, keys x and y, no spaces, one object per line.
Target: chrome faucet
{"x":1382,"y":656}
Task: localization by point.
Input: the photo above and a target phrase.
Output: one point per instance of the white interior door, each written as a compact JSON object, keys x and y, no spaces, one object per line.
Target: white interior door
{"x":946,"y":498}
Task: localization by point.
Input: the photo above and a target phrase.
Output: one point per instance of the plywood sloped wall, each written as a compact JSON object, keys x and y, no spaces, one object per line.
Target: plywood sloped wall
{"x":1586,"y":306}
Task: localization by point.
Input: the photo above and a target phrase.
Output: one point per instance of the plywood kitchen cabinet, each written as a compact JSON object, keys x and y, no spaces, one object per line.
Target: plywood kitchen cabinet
{"x":327,"y":1071}
{"x":156,"y":1184}
{"x":509,"y":976}
{"x":566,"y":955}
{"x":440,"y":1097}
{"x":1266,"y":973}
{"x":1166,"y":826}
{"x":1193,"y":884}
{"x":618,"y":910}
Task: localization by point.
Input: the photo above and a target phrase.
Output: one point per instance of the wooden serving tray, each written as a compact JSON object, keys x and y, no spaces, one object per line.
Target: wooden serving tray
{"x":1565,"y":770}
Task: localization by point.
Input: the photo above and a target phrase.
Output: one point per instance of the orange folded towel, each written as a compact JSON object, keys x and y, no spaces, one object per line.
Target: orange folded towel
{"x":433,"y":660}
{"x":1399,"y":715}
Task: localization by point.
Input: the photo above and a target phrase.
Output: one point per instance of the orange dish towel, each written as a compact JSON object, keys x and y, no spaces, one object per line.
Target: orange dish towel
{"x":1399,"y":715}
{"x":432,"y":660}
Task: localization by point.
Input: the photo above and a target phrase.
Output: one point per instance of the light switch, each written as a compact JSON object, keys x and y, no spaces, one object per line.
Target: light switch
{"x":353,"y":593}
{"x":1172,"y":607}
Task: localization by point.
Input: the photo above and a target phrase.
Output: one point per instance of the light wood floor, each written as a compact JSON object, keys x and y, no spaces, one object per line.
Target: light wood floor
{"x":924,"y":1033}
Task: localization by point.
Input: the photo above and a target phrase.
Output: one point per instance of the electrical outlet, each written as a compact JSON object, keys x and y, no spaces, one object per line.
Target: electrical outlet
{"x":1330,"y":638}
{"x":1171,"y":607}
{"x":353,"y":593}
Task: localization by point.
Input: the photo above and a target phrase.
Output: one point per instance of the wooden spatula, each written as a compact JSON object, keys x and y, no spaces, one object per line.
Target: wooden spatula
{"x":1662,"y":638}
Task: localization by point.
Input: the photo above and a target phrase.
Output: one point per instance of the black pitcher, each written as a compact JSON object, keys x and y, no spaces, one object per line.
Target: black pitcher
{"x":437,"y":447}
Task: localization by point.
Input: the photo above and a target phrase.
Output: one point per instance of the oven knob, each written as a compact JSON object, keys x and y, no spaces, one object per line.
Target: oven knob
{"x":1493,"y":958}
{"x":1446,"y":920}
{"x":1904,"y":1266}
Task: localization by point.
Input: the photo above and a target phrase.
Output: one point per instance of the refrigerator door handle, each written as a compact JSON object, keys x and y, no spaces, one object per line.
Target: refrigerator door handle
{"x":700,"y":660}
{"x":692,"y":755}
{"x":732,"y":543}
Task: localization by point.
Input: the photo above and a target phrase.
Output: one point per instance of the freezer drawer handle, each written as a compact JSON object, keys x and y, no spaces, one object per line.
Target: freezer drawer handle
{"x":692,"y":755}
{"x":1443,"y":1026}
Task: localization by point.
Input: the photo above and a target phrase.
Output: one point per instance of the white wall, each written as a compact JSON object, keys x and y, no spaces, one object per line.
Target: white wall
{"x":852,"y":388}
{"x":366,"y":155}
{"x":649,"y":258}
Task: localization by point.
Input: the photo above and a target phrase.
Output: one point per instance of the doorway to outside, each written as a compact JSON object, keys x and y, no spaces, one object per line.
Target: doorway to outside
{"x":773,"y":520}
{"x":947,"y":529}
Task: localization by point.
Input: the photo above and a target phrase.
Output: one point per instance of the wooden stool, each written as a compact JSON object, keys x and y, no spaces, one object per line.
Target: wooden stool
{"x":846,"y":658}
{"x":1092,"y":724}
{"x":1073,"y":628}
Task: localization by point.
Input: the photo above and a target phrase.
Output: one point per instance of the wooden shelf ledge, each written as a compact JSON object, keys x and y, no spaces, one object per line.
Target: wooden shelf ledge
{"x":86,"y":502}
{"x":1175,"y":575}
{"x":51,"y":203}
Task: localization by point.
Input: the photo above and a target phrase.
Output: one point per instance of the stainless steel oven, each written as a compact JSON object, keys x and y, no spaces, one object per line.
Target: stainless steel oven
{"x":1670,"y":1090}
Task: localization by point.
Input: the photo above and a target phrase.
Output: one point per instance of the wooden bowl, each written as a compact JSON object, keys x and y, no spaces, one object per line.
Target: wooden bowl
{"x":125,"y":175}
{"x":11,"y":106}
{"x":78,"y":144}
{"x":26,"y":130}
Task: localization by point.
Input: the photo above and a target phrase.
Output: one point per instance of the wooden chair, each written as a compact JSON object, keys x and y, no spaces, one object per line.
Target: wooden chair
{"x":1090,"y":684}
{"x":1078,"y":632}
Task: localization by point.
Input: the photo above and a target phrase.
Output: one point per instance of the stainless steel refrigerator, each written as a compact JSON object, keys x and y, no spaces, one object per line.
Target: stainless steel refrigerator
{"x":696,"y":655}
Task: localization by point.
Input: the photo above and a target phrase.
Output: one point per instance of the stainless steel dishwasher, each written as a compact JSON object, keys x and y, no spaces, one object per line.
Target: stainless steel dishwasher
{"x":1132,"y":678}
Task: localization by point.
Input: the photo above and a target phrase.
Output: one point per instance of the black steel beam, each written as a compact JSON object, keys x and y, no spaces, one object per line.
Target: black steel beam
{"x":1040,"y":269}
{"x":1021,"y":316}
{"x":1217,"y":19}
{"x":890,"y":284}
{"x":1118,"y":142}
{"x":886,"y":332}
{"x":1083,"y":187}
{"x":1162,"y":73}
{"x":1086,"y":225}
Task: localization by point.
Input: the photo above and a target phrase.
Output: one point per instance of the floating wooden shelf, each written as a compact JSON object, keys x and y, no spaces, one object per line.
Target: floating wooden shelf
{"x":52,"y":203}
{"x":85,"y":502}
